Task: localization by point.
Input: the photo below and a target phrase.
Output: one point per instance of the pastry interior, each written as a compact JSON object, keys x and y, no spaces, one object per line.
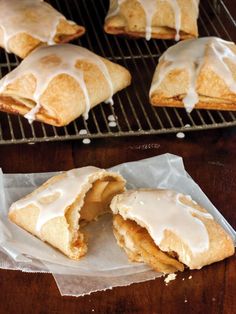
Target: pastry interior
{"x":96,"y":203}
{"x":187,"y":236}
{"x":140,"y":247}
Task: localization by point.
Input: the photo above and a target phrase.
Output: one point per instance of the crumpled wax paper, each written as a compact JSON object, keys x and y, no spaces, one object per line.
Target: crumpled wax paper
{"x":105,"y":265}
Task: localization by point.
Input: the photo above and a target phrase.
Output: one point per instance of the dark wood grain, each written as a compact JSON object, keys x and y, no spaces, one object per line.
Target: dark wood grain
{"x":209,"y":158}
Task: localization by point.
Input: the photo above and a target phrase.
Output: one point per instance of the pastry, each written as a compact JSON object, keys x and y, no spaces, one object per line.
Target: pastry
{"x":168,"y":19}
{"x":55,"y":211}
{"x":168,"y":230}
{"x":196,"y":73}
{"x":56,"y":84}
{"x":26,"y":24}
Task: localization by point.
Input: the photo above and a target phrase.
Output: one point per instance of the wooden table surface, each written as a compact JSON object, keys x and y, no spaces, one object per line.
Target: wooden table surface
{"x":209,"y":158}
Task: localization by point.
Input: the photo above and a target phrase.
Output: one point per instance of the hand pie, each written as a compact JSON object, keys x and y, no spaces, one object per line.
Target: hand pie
{"x":26,"y":24}
{"x":168,"y":230}
{"x":168,"y":19}
{"x":57,"y":84}
{"x":196,"y":73}
{"x":56,"y":210}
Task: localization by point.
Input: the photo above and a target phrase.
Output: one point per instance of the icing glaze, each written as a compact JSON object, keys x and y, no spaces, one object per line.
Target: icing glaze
{"x":34,"y":17}
{"x":47,"y":62}
{"x":150,"y":7}
{"x":62,"y":194}
{"x":160,"y":210}
{"x":190,"y":55}
{"x":177,"y":13}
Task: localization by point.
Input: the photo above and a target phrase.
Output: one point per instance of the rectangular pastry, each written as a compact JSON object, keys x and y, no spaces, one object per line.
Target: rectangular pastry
{"x":56,"y":84}
{"x":55,"y":211}
{"x":196,"y":73}
{"x":26,"y":24}
{"x":170,"y":19}
{"x":168,"y":230}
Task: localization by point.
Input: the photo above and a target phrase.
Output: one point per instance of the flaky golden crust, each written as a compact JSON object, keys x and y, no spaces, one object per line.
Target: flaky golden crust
{"x":63,"y":100}
{"x":211,"y":104}
{"x":139,"y":245}
{"x":131,"y":20}
{"x":22,"y":44}
{"x":164,"y":33}
{"x":63,"y":232}
{"x":212,"y":90}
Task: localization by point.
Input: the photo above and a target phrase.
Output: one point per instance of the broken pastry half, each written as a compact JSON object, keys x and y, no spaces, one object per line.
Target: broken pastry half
{"x":196,"y":73}
{"x":55,"y":211}
{"x":168,"y":230}
{"x":168,"y":19}
{"x":27,"y":24}
{"x":56,"y":84}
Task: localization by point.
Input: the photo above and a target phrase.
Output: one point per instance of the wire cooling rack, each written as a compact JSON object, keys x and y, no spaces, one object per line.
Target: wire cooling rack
{"x":132,"y":112}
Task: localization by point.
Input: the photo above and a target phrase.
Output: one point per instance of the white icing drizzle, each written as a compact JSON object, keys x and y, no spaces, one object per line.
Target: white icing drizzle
{"x":63,"y":61}
{"x":65,"y":190}
{"x":177,"y":13}
{"x":160,"y":210}
{"x":150,"y":7}
{"x":34,"y":17}
{"x":190,"y":55}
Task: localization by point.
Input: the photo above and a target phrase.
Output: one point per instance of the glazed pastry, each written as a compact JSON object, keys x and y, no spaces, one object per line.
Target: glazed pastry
{"x":168,"y":19}
{"x":55,"y":211}
{"x":57,"y":84}
{"x":26,"y":24}
{"x":196,"y":73}
{"x":168,"y":230}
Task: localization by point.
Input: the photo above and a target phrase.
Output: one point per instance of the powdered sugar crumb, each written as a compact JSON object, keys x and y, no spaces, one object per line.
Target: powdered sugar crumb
{"x":112,"y":124}
{"x":111,"y":118}
{"x":169,"y":278}
{"x":180,"y":135}
{"x":83,"y":131}
{"x":86,"y":141}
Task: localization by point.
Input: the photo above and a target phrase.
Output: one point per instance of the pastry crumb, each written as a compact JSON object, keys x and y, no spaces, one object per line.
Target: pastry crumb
{"x":111,"y":118}
{"x":180,"y":135}
{"x":86,"y":141}
{"x":112,"y":124}
{"x":185,"y":301}
{"x":190,"y":277}
{"x":169,"y":278}
{"x":83,"y":132}
{"x":183,"y":278}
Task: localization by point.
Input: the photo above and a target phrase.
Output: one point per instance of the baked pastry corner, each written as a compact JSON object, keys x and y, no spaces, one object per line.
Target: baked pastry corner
{"x":196,"y":73}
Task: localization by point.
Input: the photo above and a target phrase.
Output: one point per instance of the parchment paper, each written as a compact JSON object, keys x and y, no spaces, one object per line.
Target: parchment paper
{"x":106,"y":265}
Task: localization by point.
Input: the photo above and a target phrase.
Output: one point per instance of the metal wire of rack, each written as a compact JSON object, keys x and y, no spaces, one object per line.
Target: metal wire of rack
{"x":132,"y":111}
